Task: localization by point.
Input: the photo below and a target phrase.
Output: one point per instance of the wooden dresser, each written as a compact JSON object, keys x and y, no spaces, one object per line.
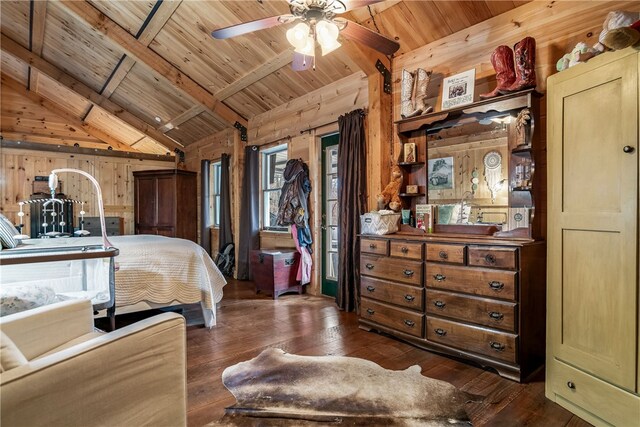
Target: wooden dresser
{"x":165,"y":203}
{"x":480,"y":299}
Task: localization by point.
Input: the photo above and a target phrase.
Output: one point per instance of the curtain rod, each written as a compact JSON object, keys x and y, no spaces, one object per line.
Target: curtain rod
{"x":365,"y":111}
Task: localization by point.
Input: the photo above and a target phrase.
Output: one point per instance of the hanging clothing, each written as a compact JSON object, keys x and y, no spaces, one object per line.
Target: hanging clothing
{"x":294,"y":199}
{"x":304,"y":267}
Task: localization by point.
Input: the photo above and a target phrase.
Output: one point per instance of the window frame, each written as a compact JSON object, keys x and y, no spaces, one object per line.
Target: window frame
{"x":264,"y":191}
{"x":215,"y":174}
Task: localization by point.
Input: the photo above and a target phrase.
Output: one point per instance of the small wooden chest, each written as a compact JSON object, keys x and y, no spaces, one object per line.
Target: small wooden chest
{"x":275,"y":271}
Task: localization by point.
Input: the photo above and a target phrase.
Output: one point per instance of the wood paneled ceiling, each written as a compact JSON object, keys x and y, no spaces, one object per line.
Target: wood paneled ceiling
{"x":120,"y":66}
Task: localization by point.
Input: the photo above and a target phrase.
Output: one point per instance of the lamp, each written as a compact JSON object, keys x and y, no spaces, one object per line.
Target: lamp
{"x":303,"y":37}
{"x":53,"y":184}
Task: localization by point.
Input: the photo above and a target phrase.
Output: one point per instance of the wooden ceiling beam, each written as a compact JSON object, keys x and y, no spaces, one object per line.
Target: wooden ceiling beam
{"x":14,"y":49}
{"x":153,"y":27}
{"x":134,"y":48}
{"x":272,"y":65}
{"x":58,"y":110}
{"x":184,"y":117}
{"x":38,"y":19}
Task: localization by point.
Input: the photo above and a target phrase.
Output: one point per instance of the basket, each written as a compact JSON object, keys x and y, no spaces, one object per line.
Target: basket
{"x":377,"y":224}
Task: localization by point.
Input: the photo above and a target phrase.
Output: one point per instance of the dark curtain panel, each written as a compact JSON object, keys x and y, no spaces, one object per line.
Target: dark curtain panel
{"x":226,"y":236}
{"x":249,"y":212}
{"x":352,"y":198}
{"x":205,"y":202}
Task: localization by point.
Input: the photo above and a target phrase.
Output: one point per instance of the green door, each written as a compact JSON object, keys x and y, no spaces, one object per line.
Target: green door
{"x":330,"y":212}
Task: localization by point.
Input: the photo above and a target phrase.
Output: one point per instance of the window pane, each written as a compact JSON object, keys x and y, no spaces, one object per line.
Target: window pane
{"x":274,"y":164}
{"x":216,"y":220}
{"x":271,"y":200}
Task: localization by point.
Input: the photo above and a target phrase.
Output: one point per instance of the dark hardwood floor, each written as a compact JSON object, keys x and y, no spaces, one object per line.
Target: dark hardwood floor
{"x":308,"y":325}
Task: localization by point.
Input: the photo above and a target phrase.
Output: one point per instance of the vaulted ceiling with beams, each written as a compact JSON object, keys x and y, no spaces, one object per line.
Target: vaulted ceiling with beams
{"x":146,"y":76}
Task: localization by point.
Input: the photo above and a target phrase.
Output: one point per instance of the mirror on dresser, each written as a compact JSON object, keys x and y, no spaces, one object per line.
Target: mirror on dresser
{"x":476,"y":166}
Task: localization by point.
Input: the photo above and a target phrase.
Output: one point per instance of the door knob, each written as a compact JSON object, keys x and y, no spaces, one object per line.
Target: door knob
{"x":628,"y":149}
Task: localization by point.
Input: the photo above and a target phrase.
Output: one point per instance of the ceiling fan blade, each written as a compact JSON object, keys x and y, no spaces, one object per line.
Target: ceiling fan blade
{"x":247,"y":27}
{"x":357,"y":32}
{"x":354,"y":4}
{"x":301,"y":62}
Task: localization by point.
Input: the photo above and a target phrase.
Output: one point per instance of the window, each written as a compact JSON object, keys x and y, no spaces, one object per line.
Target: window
{"x":214,"y":199}
{"x":273,"y":163}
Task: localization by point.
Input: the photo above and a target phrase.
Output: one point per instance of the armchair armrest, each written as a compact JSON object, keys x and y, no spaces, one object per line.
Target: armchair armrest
{"x":133,"y":376}
{"x":42,"y":329}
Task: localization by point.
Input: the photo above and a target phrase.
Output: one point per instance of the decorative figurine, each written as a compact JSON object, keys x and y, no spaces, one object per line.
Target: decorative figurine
{"x":390,"y":194}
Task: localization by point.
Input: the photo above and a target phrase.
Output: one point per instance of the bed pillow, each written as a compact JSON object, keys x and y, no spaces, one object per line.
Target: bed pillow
{"x":7,"y":233}
{"x":10,"y":356}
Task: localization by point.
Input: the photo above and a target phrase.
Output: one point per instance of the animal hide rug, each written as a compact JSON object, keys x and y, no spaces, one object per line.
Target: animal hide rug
{"x":332,"y":390}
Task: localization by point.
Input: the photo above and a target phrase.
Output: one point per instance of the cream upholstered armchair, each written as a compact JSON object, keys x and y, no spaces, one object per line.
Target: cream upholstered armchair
{"x":56,"y":370}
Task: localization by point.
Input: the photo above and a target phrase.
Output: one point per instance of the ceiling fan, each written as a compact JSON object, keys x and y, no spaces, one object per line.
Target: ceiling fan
{"x":318,"y":22}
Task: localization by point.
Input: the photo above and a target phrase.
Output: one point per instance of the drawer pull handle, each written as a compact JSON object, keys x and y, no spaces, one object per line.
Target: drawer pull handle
{"x":289,"y":261}
{"x":440,"y":304}
{"x":371,"y":288}
{"x":439,"y":277}
{"x":496,"y":315}
{"x":261,"y":258}
{"x":490,"y":259}
{"x":370,"y":311}
{"x":440,"y":332}
{"x":443,"y":255}
{"x":404,"y":249}
{"x":497,"y":346}
{"x":409,"y":297}
{"x":372,"y":246}
{"x":369,"y":266}
{"x":408,"y":273}
{"x":571,"y":385}
{"x":409,"y":323}
{"x":496,"y":286}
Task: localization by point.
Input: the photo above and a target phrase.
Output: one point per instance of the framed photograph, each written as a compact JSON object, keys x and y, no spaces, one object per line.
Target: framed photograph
{"x":440,"y":173}
{"x":412,"y":189}
{"x":458,"y":90}
{"x":410,"y":154}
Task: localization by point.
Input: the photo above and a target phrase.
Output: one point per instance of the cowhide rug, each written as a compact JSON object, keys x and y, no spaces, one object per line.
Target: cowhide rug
{"x":276,"y":388}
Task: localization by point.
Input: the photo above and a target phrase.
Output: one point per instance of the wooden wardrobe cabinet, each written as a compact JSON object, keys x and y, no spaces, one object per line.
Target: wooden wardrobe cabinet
{"x":166,"y":203}
{"x":593,"y":294}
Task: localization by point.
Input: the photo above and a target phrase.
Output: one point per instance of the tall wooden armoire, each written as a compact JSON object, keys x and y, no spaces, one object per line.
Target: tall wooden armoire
{"x":166,"y":203}
{"x":593,"y":299}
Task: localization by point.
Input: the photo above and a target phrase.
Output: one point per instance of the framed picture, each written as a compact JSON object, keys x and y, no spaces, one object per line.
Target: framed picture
{"x":458,"y":90}
{"x":440,"y":173}
{"x":410,"y":154}
{"x":412,"y":189}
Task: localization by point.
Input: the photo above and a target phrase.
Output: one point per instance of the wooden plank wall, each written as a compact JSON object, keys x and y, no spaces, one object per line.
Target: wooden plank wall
{"x":18,"y":168}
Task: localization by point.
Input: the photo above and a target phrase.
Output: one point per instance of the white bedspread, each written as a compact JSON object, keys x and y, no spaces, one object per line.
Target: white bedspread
{"x":158,"y":270}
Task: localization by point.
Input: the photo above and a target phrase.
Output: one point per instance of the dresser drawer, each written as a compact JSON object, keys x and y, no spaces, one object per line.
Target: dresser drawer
{"x":409,"y":250}
{"x":453,"y":254}
{"x":409,"y":322}
{"x":482,"y":311}
{"x":495,"y":257}
{"x":475,"y":281}
{"x":374,"y":246}
{"x":406,"y":296}
{"x":391,"y":269}
{"x":497,"y":345}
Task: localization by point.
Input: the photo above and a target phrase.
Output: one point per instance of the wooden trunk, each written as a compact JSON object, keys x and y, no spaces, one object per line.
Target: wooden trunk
{"x":275,"y":271}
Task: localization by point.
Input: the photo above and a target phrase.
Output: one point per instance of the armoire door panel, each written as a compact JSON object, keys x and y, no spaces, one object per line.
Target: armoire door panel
{"x":145,"y":208}
{"x":166,"y":201}
{"x":593,"y":184}
{"x":598,"y":307}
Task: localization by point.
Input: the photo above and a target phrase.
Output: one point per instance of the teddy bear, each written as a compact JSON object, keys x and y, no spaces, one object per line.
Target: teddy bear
{"x":390,"y":194}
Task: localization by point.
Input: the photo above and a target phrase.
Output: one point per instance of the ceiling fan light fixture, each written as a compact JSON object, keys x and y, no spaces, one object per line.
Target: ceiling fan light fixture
{"x":329,"y":47}
{"x":327,"y":32}
{"x":298,"y":35}
{"x":309,"y":48}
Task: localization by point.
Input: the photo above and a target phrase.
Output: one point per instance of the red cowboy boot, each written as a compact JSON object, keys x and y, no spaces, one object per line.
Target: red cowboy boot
{"x":525,"y":56}
{"x":502,"y":61}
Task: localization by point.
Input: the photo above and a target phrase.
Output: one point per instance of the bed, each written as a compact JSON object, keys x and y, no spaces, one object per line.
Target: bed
{"x":152,"y":272}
